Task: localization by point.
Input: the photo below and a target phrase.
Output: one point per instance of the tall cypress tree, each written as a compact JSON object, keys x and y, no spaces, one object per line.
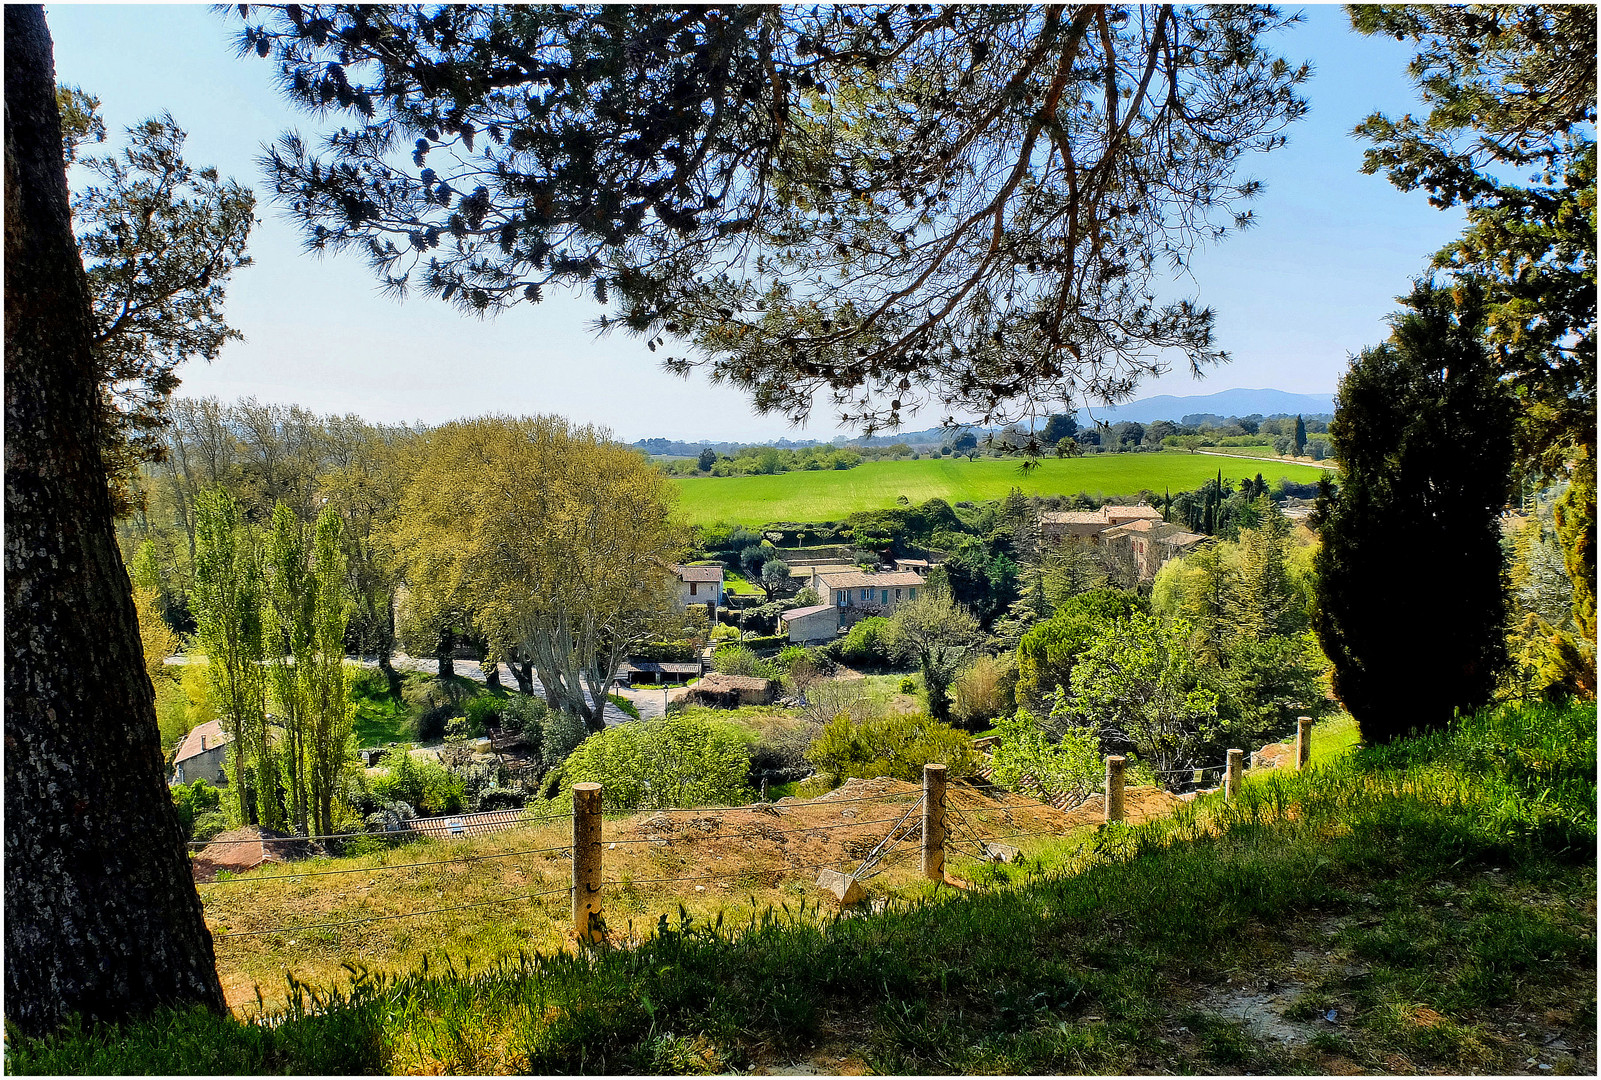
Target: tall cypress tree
{"x":1410,"y":602}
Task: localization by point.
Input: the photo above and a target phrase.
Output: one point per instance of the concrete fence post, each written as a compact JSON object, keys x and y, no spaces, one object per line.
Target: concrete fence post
{"x":1231,"y":779}
{"x":586,"y":861}
{"x":1303,"y":741}
{"x":934,"y":822}
{"x":1114,"y":788}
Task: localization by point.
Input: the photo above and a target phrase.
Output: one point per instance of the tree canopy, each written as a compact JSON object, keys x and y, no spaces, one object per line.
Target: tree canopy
{"x":896,"y":205}
{"x":160,"y":240}
{"x":553,"y":539}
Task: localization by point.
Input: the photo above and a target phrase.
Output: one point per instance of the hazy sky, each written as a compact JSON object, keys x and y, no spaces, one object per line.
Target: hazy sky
{"x":1296,"y":295}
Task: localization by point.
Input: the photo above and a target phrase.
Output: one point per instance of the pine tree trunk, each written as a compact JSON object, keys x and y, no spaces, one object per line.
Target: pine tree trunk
{"x":102,"y":917}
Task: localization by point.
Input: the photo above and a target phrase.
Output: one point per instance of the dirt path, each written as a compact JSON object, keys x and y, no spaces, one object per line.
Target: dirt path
{"x":1331,"y":466}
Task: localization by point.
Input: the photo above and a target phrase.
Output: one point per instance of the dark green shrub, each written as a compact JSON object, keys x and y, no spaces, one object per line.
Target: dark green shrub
{"x":193,"y":801}
{"x":420,"y":782}
{"x":483,"y":712}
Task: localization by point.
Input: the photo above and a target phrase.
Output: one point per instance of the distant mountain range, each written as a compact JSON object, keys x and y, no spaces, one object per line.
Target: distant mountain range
{"x":1223,"y":404}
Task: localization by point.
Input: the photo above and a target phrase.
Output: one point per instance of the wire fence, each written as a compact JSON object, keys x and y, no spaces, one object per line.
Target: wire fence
{"x":963,"y":829}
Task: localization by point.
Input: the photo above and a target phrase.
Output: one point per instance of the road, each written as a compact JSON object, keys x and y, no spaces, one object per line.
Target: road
{"x":1262,"y":460}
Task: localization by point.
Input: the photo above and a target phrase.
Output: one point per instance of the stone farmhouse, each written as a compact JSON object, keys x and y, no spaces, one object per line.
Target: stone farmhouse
{"x":1150,"y":540}
{"x":200,"y":755}
{"x":857,"y":594}
{"x":699,"y":585}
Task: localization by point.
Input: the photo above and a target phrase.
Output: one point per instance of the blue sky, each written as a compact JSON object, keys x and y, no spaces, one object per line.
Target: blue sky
{"x":1295,"y":296}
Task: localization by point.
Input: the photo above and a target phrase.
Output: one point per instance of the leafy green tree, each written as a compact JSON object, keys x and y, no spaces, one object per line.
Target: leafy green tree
{"x":935,"y":631}
{"x":1510,"y":91}
{"x":329,"y":712}
{"x":1137,"y":681}
{"x":1266,"y":683}
{"x":708,"y":458}
{"x":775,"y":580}
{"x":1300,"y":436}
{"x":551,"y":537}
{"x":958,"y":203}
{"x":1058,"y":758}
{"x":227,"y":597}
{"x":160,"y":242}
{"x":1071,"y":567}
{"x":1412,"y":539}
{"x":1047,"y":653}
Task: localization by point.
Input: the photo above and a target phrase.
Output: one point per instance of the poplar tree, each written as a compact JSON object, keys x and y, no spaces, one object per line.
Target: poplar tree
{"x":290,"y":601}
{"x":323,"y":683}
{"x":227,"y":598}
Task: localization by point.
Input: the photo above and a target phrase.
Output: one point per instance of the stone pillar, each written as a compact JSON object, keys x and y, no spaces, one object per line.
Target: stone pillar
{"x":586,"y":861}
{"x":1231,"y":779}
{"x":1114,"y":788}
{"x":1303,"y":741}
{"x":934,"y":822}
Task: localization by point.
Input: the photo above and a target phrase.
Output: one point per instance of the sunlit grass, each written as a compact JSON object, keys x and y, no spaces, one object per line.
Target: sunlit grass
{"x":878,"y":485}
{"x":1435,"y":897}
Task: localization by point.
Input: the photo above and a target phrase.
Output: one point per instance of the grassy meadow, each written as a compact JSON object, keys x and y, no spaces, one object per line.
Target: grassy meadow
{"x":876,"y":485}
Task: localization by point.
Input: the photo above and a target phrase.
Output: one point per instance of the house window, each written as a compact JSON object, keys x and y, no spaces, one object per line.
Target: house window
{"x":839,"y":597}
{"x":867,"y":594}
{"x":693,"y":585}
{"x":897,"y":594}
{"x":911,"y":594}
{"x":883,"y":597}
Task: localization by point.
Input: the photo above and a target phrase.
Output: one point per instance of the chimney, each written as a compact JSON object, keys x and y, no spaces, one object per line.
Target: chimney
{"x":202,"y":743}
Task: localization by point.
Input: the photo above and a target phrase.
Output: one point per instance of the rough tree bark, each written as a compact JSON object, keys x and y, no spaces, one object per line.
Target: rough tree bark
{"x":102,"y":917}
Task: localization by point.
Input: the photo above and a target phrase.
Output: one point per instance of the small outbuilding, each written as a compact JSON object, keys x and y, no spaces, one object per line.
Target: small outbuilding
{"x":808,"y":624}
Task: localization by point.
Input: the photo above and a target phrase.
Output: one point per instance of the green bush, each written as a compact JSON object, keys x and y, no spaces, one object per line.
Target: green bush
{"x":1067,"y":763}
{"x":740,"y":660}
{"x":664,"y":762}
{"x":724,"y":633}
{"x":525,"y":715}
{"x":626,"y":707}
{"x":898,"y":746}
{"x":208,"y":825}
{"x":563,"y":732}
{"x":421,"y":782}
{"x":483,"y":712}
{"x":193,"y":801}
{"x":908,"y":685}
{"x":867,"y":643}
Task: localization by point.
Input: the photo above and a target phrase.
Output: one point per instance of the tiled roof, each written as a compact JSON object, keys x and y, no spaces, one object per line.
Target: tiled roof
{"x":801,"y":613}
{"x":1073,"y":517}
{"x":210,"y":734}
{"x":699,"y":573}
{"x":1147,"y":512}
{"x":720,"y":683}
{"x":855,"y":579}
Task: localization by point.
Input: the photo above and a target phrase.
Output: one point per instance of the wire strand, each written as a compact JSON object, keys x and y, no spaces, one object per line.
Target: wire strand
{"x":396,"y":866}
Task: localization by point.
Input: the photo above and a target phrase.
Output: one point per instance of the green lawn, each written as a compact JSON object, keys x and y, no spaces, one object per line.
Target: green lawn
{"x":876,"y":485}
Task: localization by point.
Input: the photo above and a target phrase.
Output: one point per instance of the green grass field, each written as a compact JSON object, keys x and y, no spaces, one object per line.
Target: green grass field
{"x":875,"y":485}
